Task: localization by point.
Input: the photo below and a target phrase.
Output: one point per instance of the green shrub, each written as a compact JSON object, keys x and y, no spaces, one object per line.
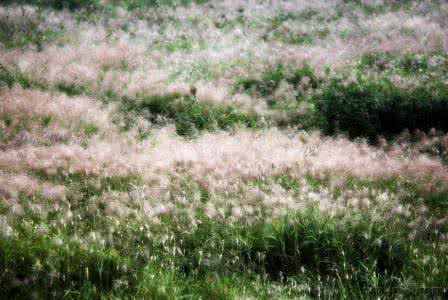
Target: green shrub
{"x":369,"y":108}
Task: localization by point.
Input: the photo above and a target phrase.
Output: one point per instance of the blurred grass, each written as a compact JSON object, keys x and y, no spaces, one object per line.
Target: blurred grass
{"x":97,"y":4}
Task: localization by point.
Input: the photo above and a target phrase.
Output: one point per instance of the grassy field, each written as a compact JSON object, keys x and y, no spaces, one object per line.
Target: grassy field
{"x":179,"y":149}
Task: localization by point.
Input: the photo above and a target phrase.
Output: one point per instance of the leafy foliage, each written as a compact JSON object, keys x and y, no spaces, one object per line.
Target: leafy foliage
{"x":369,"y":108}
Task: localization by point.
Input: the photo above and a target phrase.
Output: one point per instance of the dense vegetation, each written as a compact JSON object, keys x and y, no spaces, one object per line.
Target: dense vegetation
{"x":223,"y":150}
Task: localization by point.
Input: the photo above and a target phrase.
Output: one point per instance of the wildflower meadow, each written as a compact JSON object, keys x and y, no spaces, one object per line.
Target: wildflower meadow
{"x":235,"y":149}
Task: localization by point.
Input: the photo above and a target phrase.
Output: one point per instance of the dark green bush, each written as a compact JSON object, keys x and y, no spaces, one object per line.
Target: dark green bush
{"x":71,"y":89}
{"x":265,"y":86}
{"x":59,"y":4}
{"x":96,"y":4}
{"x":369,"y":108}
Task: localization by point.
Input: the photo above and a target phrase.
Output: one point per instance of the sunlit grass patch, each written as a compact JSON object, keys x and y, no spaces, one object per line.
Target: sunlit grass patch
{"x":298,"y":248}
{"x":45,"y":267}
{"x":304,"y":254}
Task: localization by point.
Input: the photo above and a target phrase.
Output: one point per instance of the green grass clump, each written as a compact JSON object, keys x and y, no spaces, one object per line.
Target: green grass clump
{"x":72,"y":89}
{"x":297,"y":37}
{"x":37,"y":265}
{"x":289,"y":247}
{"x":408,"y":64}
{"x":305,"y":254}
{"x":271,"y":79}
{"x":11,"y":128}
{"x":138,"y":4}
{"x":90,"y":129}
{"x":196,"y":116}
{"x":322,"y":246}
{"x":303,"y":15}
{"x":189,"y":115}
{"x":277,"y":30}
{"x":215,"y":255}
{"x":90,"y":185}
{"x":377,"y":8}
{"x":9,"y":78}
{"x":370,"y":107}
{"x":179,"y":45}
{"x":18,"y":34}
